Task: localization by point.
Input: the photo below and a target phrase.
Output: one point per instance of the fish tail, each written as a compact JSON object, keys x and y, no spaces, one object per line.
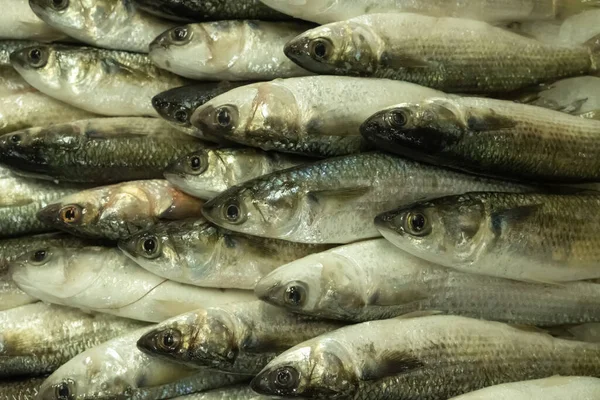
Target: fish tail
{"x":594,"y":47}
{"x":566,"y":8}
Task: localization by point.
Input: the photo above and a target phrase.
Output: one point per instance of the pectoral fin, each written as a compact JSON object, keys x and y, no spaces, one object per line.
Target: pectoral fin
{"x":389,"y":363}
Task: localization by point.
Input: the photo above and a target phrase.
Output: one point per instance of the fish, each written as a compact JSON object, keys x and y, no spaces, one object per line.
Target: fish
{"x":38,"y":338}
{"x":527,"y":237}
{"x":111,"y":24}
{"x":195,"y":252}
{"x":335,"y":200}
{"x":22,"y":198}
{"x":117,"y":369}
{"x":18,"y":21}
{"x":7,"y":47}
{"x":238,"y":338}
{"x":21,"y":389}
{"x":229,"y":50}
{"x":553,"y":388}
{"x":176,"y":106}
{"x":491,"y":137}
{"x":324,"y":12}
{"x":228,"y":393}
{"x":208,"y":172}
{"x":103,"y":279}
{"x":450,"y":54}
{"x":96,"y":151}
{"x":216,"y":10}
{"x":119,"y":211}
{"x":314,"y":116}
{"x":10,"y":295}
{"x":373,"y":280}
{"x":12,"y":83}
{"x":100,"y":81}
{"x":429,"y":357}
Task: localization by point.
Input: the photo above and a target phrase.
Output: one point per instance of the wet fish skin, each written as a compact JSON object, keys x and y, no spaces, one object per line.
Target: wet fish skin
{"x":112,"y":24}
{"x":119,"y":211}
{"x":240,"y":338}
{"x":23,"y":389}
{"x":228,"y":393}
{"x":208,"y":172}
{"x":177,"y":105}
{"x":315,"y":116}
{"x":455,"y":55}
{"x":12,"y":83}
{"x":553,"y":388}
{"x":229,"y":50}
{"x":335,"y":200}
{"x":8,"y":46}
{"x":18,"y":21}
{"x":103,"y":279}
{"x":373,"y":280}
{"x":214,"y":10}
{"x":117,"y":369}
{"x":491,"y":137}
{"x":38,"y":338}
{"x":99,"y":151}
{"x":532,"y":237}
{"x":106,"y":82}
{"x":434,"y":357}
{"x":10,"y":294}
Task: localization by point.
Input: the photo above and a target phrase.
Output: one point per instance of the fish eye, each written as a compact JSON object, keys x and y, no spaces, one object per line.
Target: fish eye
{"x":150,"y":247}
{"x":16,"y":138}
{"x":70,"y":214}
{"x":179,"y":34}
{"x":181,"y":116}
{"x":39,"y":256}
{"x":195,"y":163}
{"x":285,"y":378}
{"x":321,"y":48}
{"x":64,"y":391}
{"x":169,"y":340}
{"x":232,"y":212}
{"x":59,"y":5}
{"x":37,"y":57}
{"x":417,"y":224}
{"x":223,"y":117}
{"x":294,"y":295}
{"x":397,"y":119}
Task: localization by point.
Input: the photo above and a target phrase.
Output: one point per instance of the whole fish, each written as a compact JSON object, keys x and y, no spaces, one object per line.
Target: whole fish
{"x":208,"y":172}
{"x":100,"y":151}
{"x":39,"y":338}
{"x":20,"y":201}
{"x":106,"y":82}
{"x":374,"y":280}
{"x":112,"y":24}
{"x":240,"y":338}
{"x":316,"y":115}
{"x":553,"y":388}
{"x":119,"y":211}
{"x":103,"y":279}
{"x":176,"y":106}
{"x":335,"y":200}
{"x":229,"y":50}
{"x":212,"y":10}
{"x":196,"y":252}
{"x":491,"y":137}
{"x":117,"y":370}
{"x":326,"y":11}
{"x":450,"y":54}
{"x":528,"y":237}
{"x":427,"y":358}
{"x":18,"y":21}
{"x":228,"y":393}
{"x":23,"y":389}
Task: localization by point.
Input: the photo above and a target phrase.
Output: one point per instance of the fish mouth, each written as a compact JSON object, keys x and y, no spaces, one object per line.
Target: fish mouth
{"x":49,"y":215}
{"x":297,"y":49}
{"x":160,"y":43}
{"x":39,"y":7}
{"x":18,"y":59}
{"x":373,"y":128}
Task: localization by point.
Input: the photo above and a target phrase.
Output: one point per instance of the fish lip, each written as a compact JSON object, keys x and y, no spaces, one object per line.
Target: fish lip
{"x":127,"y":246}
{"x":265,"y":291}
{"x":18,"y":59}
{"x":159,"y":43}
{"x":38,"y":8}
{"x":160,"y":105}
{"x":296,"y":48}
{"x":49,"y":214}
{"x":208,"y":209}
{"x":260,"y":383}
{"x":372,"y":128}
{"x":145,"y":343}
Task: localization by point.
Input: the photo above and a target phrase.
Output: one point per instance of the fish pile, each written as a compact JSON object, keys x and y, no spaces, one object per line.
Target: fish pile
{"x":271,"y":199}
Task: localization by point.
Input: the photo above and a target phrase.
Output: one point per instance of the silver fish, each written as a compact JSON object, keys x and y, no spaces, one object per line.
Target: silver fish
{"x":18,"y":21}
{"x":198,"y":253}
{"x":22,"y":389}
{"x":103,"y":279}
{"x":112,"y":24}
{"x":373,"y":280}
{"x":39,"y":338}
{"x":335,"y":200}
{"x":206,"y":173}
{"x":106,"y":82}
{"x":427,"y":358}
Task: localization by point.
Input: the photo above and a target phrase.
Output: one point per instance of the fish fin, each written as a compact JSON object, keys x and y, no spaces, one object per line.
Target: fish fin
{"x":390,"y":363}
{"x":341,"y":194}
{"x":419,"y":314}
{"x":512,"y":214}
{"x":573,"y":107}
{"x":111,"y":66}
{"x":594,"y":114}
{"x":529,"y":328}
{"x":489,"y":121}
{"x":594,"y":47}
{"x":404,"y":61}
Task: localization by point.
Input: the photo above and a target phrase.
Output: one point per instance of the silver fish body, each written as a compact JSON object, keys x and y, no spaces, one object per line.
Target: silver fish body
{"x":10,"y":294}
{"x":105,"y":280}
{"x":334,"y":200}
{"x":206,"y":173}
{"x":198,"y":253}
{"x":22,"y":389}
{"x":39,"y":338}
{"x":18,"y":21}
{"x":229,"y":50}
{"x":428,"y":358}
{"x":228,"y":393}
{"x":315,"y":116}
{"x":106,"y":82}
{"x":12,"y":83}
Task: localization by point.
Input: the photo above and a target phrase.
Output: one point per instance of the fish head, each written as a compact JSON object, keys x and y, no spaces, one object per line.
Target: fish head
{"x":73,"y":213}
{"x":431,"y":126}
{"x":446,"y":231}
{"x":174,"y":108}
{"x":313,"y":369}
{"x":39,"y":66}
{"x":73,"y":17}
{"x":254,"y":115}
{"x":204,"y":172}
{"x":342,"y":48}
